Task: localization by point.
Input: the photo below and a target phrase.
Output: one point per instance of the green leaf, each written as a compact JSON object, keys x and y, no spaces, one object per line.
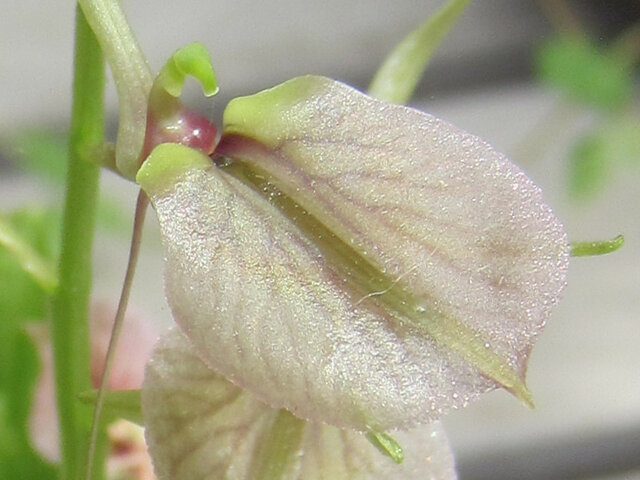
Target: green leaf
{"x":29,"y":259}
{"x":398,"y":76}
{"x":585,"y":73}
{"x":621,"y":139}
{"x":22,"y":300}
{"x":21,"y":297}
{"x":387,"y":445}
{"x":589,"y":167}
{"x":615,"y":145}
{"x":25,"y":464}
{"x":602,"y":247}
{"x":117,"y":404}
{"x":18,"y":380}
{"x":19,"y":367}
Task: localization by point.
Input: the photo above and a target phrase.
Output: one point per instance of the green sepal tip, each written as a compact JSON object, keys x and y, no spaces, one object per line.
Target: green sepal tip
{"x":386,"y":444}
{"x":166,"y":163}
{"x":191,"y":60}
{"x":117,"y":404}
{"x":589,"y":249}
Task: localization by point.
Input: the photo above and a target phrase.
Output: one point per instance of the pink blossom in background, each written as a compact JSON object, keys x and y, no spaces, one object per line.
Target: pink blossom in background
{"x":128,"y":457}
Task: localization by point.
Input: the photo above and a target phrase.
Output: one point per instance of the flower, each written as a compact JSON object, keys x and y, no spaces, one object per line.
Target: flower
{"x":201,"y":426}
{"x":356,"y":263}
{"x":128,"y":455}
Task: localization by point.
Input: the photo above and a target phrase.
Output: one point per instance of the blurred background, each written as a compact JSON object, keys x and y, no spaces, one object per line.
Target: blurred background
{"x":551,"y":83}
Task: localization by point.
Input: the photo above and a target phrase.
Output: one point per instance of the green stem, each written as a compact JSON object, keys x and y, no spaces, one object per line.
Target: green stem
{"x":71,"y":303}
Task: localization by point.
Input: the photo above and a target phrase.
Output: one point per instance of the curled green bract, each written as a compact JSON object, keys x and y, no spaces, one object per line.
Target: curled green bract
{"x":355,"y":262}
{"x":149,"y":111}
{"x":168,"y":121}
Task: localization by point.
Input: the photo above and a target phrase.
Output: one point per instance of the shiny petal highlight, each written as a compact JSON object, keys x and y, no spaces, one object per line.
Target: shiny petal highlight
{"x":265,"y":307}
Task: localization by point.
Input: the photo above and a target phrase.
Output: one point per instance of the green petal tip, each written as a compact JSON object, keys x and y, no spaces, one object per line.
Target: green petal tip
{"x":266,"y":115}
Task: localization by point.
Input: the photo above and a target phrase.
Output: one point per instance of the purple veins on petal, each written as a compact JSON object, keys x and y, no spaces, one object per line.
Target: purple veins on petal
{"x":357,"y":263}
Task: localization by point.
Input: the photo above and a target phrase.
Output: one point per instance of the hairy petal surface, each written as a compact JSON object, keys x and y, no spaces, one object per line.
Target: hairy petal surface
{"x":426,"y":203}
{"x":201,"y":427}
{"x":263,"y":308}
{"x":355,"y":262}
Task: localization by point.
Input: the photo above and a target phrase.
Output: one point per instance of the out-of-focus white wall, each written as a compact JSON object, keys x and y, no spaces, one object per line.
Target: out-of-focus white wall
{"x":253,"y":44}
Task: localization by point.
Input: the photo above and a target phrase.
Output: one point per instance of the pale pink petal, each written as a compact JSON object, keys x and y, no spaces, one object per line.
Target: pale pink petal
{"x":128,"y":458}
{"x":427,"y":203}
{"x":201,"y":427}
{"x":134,"y":347}
{"x":476,"y":257}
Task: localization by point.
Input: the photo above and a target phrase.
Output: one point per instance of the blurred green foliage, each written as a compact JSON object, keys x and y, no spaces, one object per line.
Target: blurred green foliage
{"x":585,"y":72}
{"x":22,"y":301}
{"x":43,"y":153}
{"x":595,"y":156}
{"x":600,"y":79}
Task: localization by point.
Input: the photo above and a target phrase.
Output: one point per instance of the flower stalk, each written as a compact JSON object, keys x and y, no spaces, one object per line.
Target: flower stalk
{"x":131,"y":74}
